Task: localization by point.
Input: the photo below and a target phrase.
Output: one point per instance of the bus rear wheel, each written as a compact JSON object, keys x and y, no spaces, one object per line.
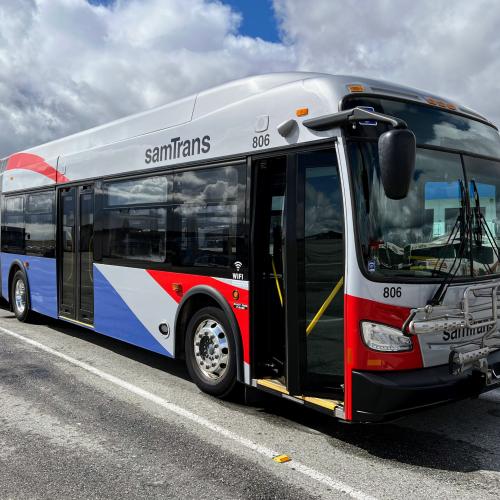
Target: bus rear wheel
{"x":19,"y":297}
{"x":210,"y":352}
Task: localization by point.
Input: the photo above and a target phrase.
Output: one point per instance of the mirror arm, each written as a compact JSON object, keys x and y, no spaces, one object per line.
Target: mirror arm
{"x":354,"y":115}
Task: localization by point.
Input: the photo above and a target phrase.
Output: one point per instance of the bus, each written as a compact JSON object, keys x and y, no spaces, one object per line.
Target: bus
{"x":332,"y":240}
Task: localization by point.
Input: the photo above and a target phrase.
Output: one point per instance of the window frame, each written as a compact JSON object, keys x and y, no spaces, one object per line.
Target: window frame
{"x":242,"y":224}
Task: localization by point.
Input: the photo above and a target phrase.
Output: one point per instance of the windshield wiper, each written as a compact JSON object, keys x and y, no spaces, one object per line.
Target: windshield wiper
{"x":463,"y":227}
{"x":481,"y":225}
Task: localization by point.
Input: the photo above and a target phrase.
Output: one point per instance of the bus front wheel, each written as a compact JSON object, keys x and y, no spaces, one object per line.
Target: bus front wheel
{"x":19,"y":297}
{"x":210,"y":352}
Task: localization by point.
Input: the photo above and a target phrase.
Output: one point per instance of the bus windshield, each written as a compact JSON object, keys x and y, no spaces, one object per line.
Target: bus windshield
{"x":422,"y":236}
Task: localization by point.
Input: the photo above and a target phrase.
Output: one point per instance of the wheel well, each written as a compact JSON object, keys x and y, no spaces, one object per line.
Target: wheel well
{"x":192,"y":304}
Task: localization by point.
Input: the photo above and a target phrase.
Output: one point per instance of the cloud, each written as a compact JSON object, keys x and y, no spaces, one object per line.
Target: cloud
{"x":66,"y":65}
{"x":449,"y":48}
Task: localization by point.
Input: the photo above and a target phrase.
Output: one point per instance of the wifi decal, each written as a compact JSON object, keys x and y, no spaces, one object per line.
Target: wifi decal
{"x":237,"y":275}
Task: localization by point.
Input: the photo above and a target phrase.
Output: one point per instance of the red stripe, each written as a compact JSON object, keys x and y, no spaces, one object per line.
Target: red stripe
{"x":34,"y":163}
{"x":360,"y":357}
{"x":188,"y":281}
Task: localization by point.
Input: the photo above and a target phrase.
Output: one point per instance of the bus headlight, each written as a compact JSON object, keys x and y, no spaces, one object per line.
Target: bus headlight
{"x":384,"y":338}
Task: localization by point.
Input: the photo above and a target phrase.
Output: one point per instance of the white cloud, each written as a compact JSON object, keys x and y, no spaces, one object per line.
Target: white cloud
{"x":450,"y":48}
{"x":66,"y":65}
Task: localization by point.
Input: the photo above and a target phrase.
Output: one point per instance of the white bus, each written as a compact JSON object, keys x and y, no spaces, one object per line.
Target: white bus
{"x":328,"y":239}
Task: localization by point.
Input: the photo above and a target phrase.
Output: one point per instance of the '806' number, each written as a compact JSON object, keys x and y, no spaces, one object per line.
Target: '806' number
{"x":259,"y":141}
{"x":392,"y":292}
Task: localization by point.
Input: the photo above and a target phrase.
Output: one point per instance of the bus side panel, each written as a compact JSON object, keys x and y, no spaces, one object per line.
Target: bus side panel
{"x":234,"y":292}
{"x":42,"y":281}
{"x":131,"y":304}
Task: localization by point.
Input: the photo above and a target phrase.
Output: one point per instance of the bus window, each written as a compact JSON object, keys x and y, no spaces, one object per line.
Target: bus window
{"x":13,"y":225}
{"x":40,"y":225}
{"x":324,"y":268}
{"x":206,"y":218}
{"x":136,"y":191}
{"x":135,"y":234}
{"x":134,"y":226}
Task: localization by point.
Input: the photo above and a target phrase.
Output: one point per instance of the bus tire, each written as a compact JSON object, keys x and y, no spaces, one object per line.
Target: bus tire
{"x":20,"y":297}
{"x":210,"y":352}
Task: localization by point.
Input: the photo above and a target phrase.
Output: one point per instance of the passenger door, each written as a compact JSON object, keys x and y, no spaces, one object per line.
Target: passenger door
{"x":76,"y":253}
{"x":298,"y":262}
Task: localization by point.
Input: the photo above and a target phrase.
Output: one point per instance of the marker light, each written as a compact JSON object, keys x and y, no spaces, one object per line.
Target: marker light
{"x":384,"y":338}
{"x":354,"y":87}
{"x":441,"y":104}
{"x":302,"y":111}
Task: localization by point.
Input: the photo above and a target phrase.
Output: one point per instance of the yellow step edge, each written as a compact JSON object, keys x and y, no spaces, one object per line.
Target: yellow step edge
{"x":272,"y":384}
{"x":329,"y":404}
{"x":76,"y":322}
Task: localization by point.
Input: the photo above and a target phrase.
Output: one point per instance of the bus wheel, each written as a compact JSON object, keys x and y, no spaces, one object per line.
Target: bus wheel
{"x":210,"y":352}
{"x":19,"y":297}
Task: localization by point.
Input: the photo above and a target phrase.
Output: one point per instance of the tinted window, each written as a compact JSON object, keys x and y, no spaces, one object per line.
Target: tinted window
{"x":134,"y":225}
{"x":208,"y":217}
{"x":135,"y":234}
{"x":13,"y":225}
{"x":136,"y":191}
{"x":431,"y":126}
{"x":324,"y":264}
{"x":40,"y":227}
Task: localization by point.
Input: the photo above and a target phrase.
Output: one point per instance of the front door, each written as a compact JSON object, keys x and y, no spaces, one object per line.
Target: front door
{"x":298,"y":256}
{"x":76,"y":240}
{"x":320,"y":263}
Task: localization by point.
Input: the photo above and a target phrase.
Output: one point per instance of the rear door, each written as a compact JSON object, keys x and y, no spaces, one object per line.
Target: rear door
{"x":76,"y":253}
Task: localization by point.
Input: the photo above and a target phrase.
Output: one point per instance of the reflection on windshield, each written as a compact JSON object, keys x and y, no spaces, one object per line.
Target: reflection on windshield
{"x":431,"y":126}
{"x":423,"y":234}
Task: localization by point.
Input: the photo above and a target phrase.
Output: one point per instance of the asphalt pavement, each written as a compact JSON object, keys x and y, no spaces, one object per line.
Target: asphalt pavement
{"x":85,"y":416}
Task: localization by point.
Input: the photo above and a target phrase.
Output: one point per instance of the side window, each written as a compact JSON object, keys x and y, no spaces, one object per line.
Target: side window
{"x":40,"y":225}
{"x":13,"y":225}
{"x":135,"y":219}
{"x":207,"y":218}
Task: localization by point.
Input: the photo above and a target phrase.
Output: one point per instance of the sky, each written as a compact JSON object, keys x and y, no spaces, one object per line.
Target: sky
{"x":67,"y":65}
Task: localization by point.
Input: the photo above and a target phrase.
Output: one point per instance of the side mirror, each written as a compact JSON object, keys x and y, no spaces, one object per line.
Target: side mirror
{"x":397,"y":152}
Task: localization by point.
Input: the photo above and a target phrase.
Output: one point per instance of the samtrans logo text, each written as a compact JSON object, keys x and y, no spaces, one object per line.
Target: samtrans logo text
{"x":463,"y":333}
{"x":178,"y":148}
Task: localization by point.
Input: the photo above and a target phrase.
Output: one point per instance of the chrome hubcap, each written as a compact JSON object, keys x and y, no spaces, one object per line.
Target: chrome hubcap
{"x":20,"y":296}
{"x":211,"y":349}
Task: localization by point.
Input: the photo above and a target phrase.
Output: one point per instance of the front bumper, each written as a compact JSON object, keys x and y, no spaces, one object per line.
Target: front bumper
{"x":379,"y":396}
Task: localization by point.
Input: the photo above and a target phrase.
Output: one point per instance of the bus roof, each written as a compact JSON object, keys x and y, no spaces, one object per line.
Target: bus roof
{"x":231,"y":93}
{"x":228,"y":121}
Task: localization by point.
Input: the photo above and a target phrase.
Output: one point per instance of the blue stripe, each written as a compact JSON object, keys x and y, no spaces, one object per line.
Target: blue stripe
{"x":42,"y":281}
{"x":113,"y":317}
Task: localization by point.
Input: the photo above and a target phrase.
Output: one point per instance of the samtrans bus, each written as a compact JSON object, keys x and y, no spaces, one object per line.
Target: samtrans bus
{"x":332,"y":240}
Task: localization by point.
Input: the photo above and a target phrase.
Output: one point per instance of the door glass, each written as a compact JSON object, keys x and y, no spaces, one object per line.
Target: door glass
{"x":324,"y":267}
{"x":268,"y":287}
{"x":86,"y":256}
{"x":68,"y":252}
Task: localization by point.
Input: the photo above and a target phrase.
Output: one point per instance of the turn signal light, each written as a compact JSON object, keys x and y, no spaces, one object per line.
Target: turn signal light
{"x":354,"y":87}
{"x":177,"y":288}
{"x":302,"y":111}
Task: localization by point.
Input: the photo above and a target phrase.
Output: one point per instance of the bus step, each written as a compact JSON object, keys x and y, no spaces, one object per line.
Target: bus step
{"x":276,"y":386}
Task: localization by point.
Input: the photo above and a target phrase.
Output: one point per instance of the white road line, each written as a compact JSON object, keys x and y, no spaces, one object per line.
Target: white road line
{"x":172,"y":407}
